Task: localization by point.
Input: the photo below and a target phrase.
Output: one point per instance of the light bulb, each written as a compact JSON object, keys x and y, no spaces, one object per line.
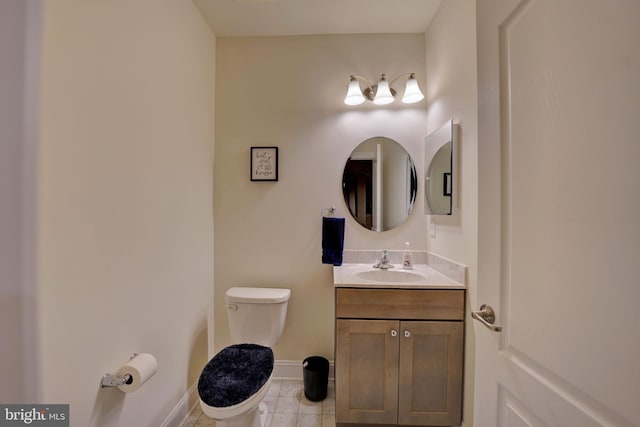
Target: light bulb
{"x":383,"y":93}
{"x":354,"y":94}
{"x":412,"y":91}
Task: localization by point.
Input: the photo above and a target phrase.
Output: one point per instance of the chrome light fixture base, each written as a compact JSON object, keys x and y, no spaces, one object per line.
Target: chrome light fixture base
{"x":382,"y":93}
{"x":370,"y":92}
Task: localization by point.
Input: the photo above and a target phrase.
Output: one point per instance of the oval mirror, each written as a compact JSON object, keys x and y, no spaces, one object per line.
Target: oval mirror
{"x":379,"y":184}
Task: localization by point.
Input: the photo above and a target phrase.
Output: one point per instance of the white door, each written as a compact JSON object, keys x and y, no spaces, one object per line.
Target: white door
{"x":559,"y":213}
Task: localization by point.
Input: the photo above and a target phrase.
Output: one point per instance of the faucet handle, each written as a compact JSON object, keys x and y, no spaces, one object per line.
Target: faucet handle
{"x":383,"y":263}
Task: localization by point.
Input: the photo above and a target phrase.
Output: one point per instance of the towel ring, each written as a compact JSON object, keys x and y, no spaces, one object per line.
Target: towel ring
{"x":331,"y":211}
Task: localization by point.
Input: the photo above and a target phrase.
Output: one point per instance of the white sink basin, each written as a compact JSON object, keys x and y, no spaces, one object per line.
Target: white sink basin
{"x":391,"y":276}
{"x":364,"y":275}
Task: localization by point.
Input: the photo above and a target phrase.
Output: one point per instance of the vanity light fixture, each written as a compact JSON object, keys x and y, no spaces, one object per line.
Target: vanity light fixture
{"x":382,"y":93}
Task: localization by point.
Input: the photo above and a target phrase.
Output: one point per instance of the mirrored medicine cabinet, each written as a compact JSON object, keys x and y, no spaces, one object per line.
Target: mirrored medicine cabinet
{"x":441,"y":170}
{"x":379,"y":184}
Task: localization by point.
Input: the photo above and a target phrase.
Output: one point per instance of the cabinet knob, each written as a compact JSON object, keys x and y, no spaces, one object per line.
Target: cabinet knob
{"x":394,"y":333}
{"x":407,"y":334}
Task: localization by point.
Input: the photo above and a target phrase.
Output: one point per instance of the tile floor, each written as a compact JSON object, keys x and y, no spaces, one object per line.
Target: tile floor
{"x":288,"y":407}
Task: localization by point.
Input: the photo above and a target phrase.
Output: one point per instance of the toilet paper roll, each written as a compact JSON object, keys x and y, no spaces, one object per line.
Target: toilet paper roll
{"x":141,"y":368}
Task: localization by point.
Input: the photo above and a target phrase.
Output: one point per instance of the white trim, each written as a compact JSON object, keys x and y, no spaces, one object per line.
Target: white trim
{"x":181,"y":411}
{"x":291,"y":370}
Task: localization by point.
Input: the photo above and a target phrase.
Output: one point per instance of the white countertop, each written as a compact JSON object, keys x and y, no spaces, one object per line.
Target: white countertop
{"x":420,"y":277}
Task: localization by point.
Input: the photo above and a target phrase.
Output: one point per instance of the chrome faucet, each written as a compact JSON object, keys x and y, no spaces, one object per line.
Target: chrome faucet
{"x":384,"y":263}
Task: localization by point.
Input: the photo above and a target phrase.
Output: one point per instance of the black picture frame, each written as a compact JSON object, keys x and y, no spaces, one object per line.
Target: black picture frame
{"x":264,"y":164}
{"x":446,"y":184}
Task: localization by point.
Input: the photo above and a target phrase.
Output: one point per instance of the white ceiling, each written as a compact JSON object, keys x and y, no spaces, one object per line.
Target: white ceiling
{"x":231,"y":18}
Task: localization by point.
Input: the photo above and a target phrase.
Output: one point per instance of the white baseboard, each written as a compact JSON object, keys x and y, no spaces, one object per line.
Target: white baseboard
{"x":283,"y":370}
{"x":291,"y":370}
{"x":181,"y":411}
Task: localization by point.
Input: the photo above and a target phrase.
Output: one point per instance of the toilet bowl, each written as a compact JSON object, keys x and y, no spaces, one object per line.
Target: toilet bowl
{"x":235,"y":381}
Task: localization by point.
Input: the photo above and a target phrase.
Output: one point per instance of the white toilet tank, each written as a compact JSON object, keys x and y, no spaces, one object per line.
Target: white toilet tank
{"x":256,"y":315}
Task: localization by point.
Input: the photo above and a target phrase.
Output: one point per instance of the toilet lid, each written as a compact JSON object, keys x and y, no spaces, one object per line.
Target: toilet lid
{"x":235,"y":374}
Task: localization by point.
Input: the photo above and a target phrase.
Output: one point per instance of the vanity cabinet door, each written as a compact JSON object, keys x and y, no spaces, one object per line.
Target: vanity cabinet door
{"x":430,"y":370}
{"x":367,"y":371}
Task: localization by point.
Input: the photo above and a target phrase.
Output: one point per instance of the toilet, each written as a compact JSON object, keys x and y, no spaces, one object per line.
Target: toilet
{"x":235,"y":381}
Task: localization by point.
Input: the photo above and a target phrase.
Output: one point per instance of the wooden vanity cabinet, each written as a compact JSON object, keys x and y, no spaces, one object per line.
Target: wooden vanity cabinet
{"x":399,"y":356}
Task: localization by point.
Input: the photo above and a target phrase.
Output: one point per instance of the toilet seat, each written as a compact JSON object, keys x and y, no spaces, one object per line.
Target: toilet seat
{"x":234,"y":378}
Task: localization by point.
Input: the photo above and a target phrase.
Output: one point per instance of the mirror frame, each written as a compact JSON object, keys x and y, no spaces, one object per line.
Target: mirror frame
{"x":446,"y":134}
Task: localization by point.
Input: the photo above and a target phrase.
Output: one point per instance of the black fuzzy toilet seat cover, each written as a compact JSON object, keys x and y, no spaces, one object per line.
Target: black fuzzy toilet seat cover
{"x":235,"y":374}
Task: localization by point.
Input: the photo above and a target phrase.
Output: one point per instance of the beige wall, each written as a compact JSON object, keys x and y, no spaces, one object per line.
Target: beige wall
{"x":451,"y":93}
{"x":12,"y":61}
{"x":20,"y":42}
{"x":288,"y":92}
{"x":125,"y":203}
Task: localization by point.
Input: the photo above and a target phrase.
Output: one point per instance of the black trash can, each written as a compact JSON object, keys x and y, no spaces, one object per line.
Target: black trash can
{"x":315,"y":373}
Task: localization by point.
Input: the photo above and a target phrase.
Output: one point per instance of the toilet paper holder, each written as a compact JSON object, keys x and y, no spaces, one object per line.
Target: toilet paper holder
{"x":110,"y":380}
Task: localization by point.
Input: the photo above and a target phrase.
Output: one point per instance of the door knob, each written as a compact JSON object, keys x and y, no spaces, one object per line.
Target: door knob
{"x":407,"y":334}
{"x":487,"y":317}
{"x":394,"y":333}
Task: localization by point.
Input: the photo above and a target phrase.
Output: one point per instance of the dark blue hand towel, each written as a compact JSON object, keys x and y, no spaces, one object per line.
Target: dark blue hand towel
{"x":332,"y":240}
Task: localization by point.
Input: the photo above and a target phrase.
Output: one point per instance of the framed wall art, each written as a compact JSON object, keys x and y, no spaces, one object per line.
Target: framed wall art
{"x":446,"y":186}
{"x":264,"y":163}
